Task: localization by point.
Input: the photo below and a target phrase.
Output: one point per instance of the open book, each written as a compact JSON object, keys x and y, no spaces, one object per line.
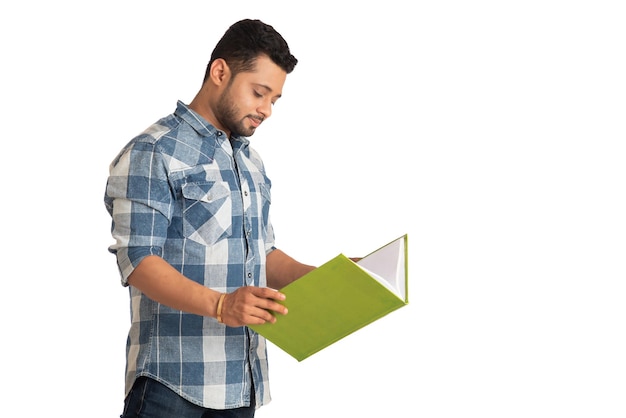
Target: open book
{"x":338,"y":298}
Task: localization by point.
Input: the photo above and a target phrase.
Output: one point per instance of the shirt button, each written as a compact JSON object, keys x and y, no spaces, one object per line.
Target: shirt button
{"x":249,"y":275}
{"x":245,"y":193}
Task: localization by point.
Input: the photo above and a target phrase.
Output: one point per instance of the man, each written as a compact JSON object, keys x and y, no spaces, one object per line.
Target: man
{"x":189,"y":201}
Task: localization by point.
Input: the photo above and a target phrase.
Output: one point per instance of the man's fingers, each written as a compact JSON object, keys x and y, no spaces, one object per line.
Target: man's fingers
{"x":266,"y":293}
{"x":252,"y":305}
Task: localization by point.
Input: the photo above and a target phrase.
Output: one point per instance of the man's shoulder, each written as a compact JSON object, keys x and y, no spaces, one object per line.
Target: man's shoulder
{"x":150,"y":137}
{"x":164,"y":127}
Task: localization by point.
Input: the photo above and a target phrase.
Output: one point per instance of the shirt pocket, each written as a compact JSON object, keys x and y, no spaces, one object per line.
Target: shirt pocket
{"x":207,"y":211}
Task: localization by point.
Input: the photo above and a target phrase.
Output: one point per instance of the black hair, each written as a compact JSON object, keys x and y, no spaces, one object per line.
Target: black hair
{"x":245,"y":41}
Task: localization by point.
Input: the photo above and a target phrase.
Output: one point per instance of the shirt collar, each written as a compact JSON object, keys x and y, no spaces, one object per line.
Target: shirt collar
{"x":201,"y":126}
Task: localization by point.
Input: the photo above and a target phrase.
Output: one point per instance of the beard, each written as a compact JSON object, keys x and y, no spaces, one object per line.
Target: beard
{"x":227,"y":113}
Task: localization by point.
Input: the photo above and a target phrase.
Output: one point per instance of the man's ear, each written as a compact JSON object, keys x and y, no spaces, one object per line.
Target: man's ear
{"x":219,"y":72}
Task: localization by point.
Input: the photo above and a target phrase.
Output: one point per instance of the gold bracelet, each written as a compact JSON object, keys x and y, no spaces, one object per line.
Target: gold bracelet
{"x":219,"y":307}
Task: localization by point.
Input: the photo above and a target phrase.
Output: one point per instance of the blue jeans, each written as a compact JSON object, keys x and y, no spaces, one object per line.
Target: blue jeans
{"x":150,"y":399}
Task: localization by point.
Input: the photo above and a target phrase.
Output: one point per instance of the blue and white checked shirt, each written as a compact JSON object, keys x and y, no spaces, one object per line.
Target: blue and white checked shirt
{"x":180,"y":191}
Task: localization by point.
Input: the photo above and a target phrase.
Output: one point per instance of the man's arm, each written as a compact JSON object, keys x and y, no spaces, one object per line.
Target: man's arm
{"x":282,"y":269}
{"x":162,"y":283}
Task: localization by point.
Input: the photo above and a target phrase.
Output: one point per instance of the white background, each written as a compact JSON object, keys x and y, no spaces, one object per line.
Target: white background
{"x":491,"y":132}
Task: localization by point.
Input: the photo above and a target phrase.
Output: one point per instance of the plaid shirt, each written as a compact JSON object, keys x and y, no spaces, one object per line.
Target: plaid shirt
{"x":180,"y":191}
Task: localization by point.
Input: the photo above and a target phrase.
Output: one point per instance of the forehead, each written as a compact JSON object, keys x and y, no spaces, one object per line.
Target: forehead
{"x":265,"y":73}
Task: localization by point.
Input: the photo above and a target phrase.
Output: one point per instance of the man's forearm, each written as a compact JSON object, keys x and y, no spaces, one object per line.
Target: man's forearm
{"x":162,"y":283}
{"x":283,"y":269}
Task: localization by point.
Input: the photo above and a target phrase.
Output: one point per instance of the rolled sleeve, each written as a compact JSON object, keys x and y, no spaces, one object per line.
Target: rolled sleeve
{"x":139,"y":201}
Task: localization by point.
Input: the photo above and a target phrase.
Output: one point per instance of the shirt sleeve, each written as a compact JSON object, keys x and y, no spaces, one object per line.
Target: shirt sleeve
{"x":140,"y":201}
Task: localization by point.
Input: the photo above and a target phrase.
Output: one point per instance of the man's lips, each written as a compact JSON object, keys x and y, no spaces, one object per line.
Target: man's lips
{"x":255,"y":121}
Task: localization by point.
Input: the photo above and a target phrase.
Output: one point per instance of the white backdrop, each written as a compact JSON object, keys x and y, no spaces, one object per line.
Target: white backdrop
{"x":491,"y":132}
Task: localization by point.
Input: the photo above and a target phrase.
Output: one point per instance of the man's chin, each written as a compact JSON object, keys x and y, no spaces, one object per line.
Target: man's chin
{"x":243,"y":129}
{"x":248,"y":132}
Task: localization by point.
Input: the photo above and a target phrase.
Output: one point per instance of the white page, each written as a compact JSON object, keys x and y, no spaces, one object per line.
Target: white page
{"x":387,"y":265}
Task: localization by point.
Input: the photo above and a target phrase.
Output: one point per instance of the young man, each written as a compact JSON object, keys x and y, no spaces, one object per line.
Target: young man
{"x":189,"y":201}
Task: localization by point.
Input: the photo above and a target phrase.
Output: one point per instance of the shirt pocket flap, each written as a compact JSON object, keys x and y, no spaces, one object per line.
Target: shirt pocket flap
{"x":206,"y":192}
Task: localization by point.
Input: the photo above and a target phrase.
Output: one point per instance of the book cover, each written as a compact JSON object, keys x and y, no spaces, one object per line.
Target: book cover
{"x":338,"y":298}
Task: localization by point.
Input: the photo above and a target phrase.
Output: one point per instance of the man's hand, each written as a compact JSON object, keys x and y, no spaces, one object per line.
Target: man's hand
{"x":251,"y":305}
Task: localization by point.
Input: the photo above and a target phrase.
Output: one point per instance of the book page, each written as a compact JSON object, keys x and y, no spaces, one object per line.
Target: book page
{"x":387,"y":265}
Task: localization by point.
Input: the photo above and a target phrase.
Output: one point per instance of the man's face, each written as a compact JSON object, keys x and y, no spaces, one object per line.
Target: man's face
{"x":248,"y":97}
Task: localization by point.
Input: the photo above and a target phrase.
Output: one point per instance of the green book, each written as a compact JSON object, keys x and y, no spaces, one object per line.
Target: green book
{"x":338,"y":298}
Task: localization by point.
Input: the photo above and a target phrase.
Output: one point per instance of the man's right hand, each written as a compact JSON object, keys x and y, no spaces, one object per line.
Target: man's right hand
{"x":250,"y":305}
